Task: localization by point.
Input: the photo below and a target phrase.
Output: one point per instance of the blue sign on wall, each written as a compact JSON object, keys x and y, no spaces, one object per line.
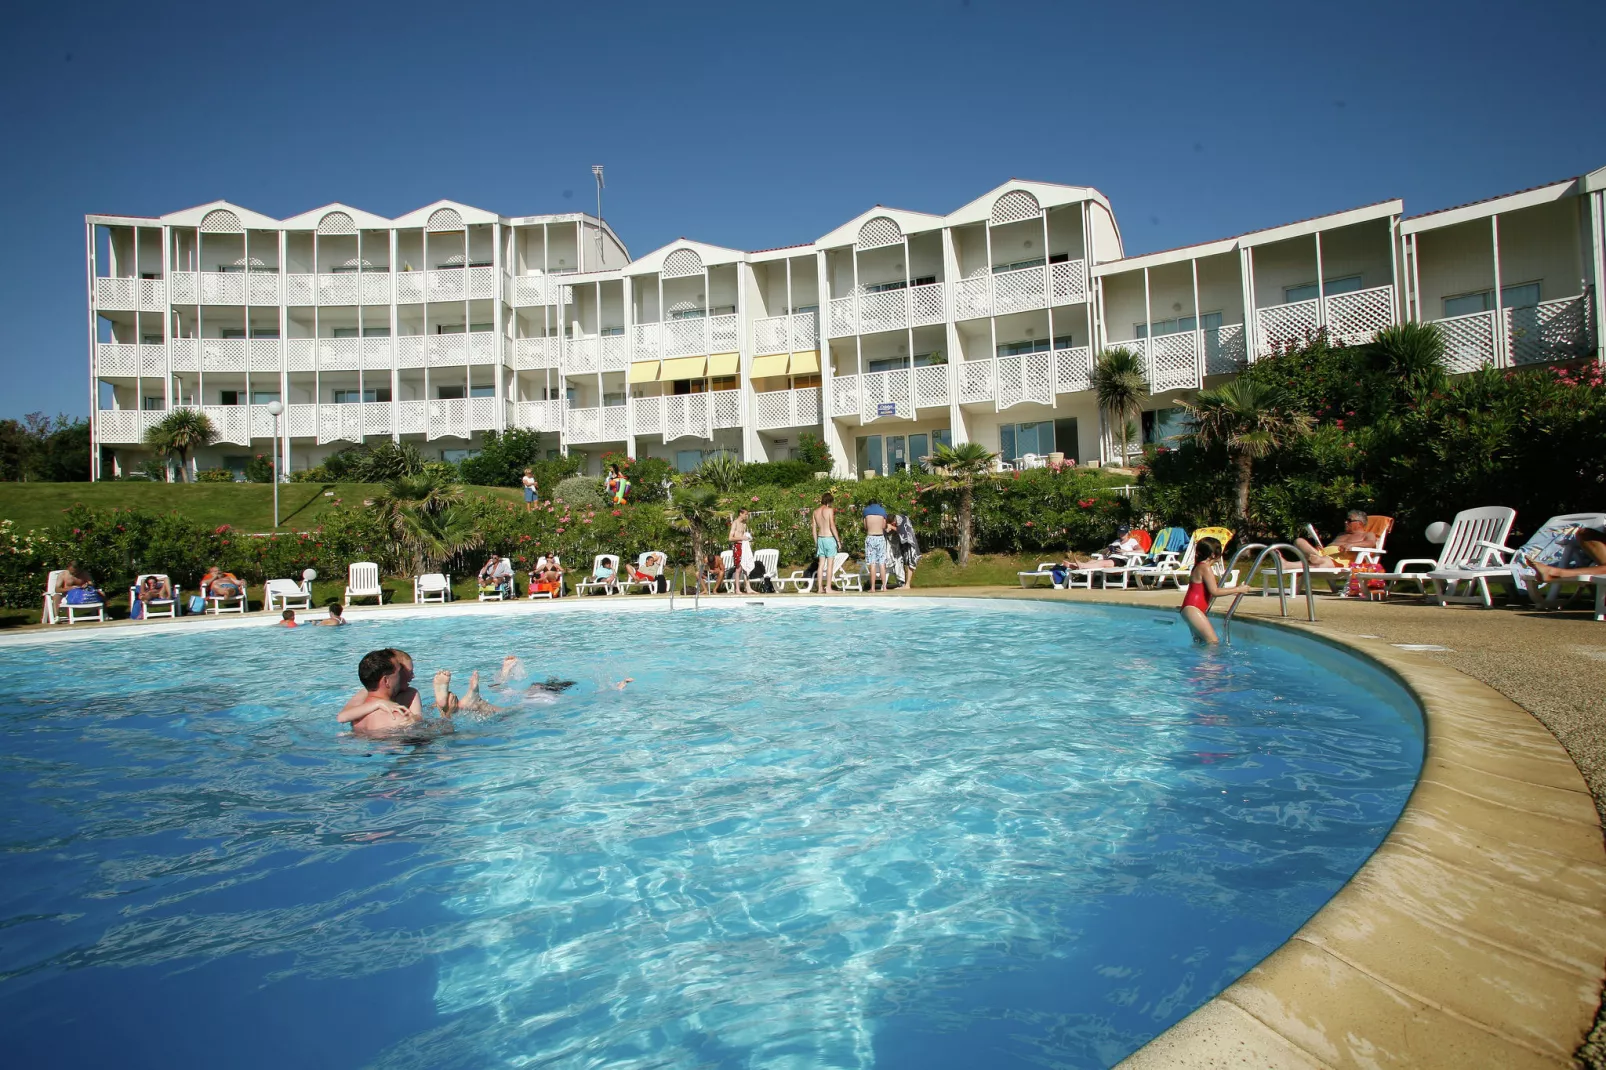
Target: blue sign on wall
{"x":887,"y":408}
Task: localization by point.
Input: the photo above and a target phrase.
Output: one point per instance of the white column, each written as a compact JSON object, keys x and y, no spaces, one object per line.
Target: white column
{"x":1397,"y":306}
{"x":94,"y":380}
{"x":1198,"y":321}
{"x":1502,"y":351}
{"x":1416,"y":279}
{"x":627,"y":295}
{"x":1321,"y":287}
{"x":395,"y":331}
{"x":1251,"y":309}
{"x":499,"y":360}
{"x":829,"y":431}
{"x":1597,"y":243}
{"x":751,"y":446}
{"x":950,"y":274}
{"x":284,"y":331}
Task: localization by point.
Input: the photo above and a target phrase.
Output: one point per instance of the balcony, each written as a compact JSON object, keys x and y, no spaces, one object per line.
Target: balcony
{"x":129,"y":359}
{"x":376,"y":354}
{"x":121,"y":427}
{"x":1021,"y":290}
{"x":888,"y":310}
{"x":607,"y":353}
{"x":694,"y":337}
{"x":605,"y":424}
{"x":535,"y":353}
{"x":796,"y":333}
{"x":1551,"y":330}
{"x":524,"y":291}
{"x":787,"y":408}
{"x":452,"y":349}
{"x":132,"y":295}
{"x":897,"y":393}
{"x":1027,"y":378}
{"x":254,"y":287}
{"x":1350,"y":318}
{"x":458,"y":417}
{"x":539,"y":415}
{"x":459,"y":284}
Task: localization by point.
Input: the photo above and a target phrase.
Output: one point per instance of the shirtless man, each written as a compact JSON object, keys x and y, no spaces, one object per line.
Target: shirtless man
{"x":1341,"y":552}
{"x":823,"y":521}
{"x":875,"y":543}
{"x":741,"y":541}
{"x":388,"y":701}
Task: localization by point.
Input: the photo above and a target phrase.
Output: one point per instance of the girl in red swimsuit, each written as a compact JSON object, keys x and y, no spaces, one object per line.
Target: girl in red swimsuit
{"x":1202,"y":590}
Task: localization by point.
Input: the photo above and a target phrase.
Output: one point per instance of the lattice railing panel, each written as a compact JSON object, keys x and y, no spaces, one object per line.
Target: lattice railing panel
{"x":377,"y":417}
{"x":223,"y":354}
{"x":646,"y":341}
{"x":931,"y":386}
{"x":581,"y":355}
{"x":772,"y":409}
{"x":530,"y":353}
{"x":879,"y":232}
{"x":409,"y":287}
{"x":722,"y":332}
{"x":222,"y":287}
{"x":375,"y":287}
{"x":260,"y":422}
{"x":884,"y":311}
{"x":727,"y":408}
{"x":338,"y":354}
{"x":265,"y":354}
{"x":582,"y":425}
{"x":1073,"y":369}
{"x":842,"y":319}
{"x":531,"y":290}
{"x":1174,"y":361}
{"x":231,"y":423}
{"x":300,"y":354}
{"x":1224,"y":350}
{"x":615,"y":423}
{"x":615,"y":353}
{"x":448,"y":419}
{"x":1015,"y":206}
{"x":1037,"y":378}
{"x":340,"y":423}
{"x":184,"y":354}
{"x":117,"y":358}
{"x":647,"y":415}
{"x":1011,"y":382}
{"x":482,"y":347}
{"x":301,"y":421}
{"x":1355,"y":318}
{"x":973,"y":298}
{"x":480,"y":414}
{"x":806,"y":406}
{"x":539,"y":415}
{"x":262,"y":287}
{"x":844,"y":395}
{"x":976,"y":379}
{"x":1016,"y":291}
{"x":1285,"y":325}
{"x":1551,"y":330}
{"x":299,"y":290}
{"x":185,"y":288}
{"x":805,"y":331}
{"x":153,"y":360}
{"x":481,"y":283}
{"x":344,"y":289}
{"x":926,"y":305}
{"x":412,"y":417}
{"x":118,"y":425}
{"x":894,"y":388}
{"x":1468,"y":341}
{"x":686,"y":416}
{"x":446,"y":349}
{"x":445,"y":285}
{"x":376,"y":353}
{"x":1068,"y":282}
{"x":411,"y":350}
{"x":145,"y":295}
{"x":772,"y":335}
{"x":684,"y":338}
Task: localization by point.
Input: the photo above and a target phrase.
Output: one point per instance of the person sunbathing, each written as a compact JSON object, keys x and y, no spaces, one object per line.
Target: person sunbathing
{"x":155,"y":589}
{"x":388,"y":703}
{"x":1340,"y":553}
{"x":1591,"y":542}
{"x":220,"y":584}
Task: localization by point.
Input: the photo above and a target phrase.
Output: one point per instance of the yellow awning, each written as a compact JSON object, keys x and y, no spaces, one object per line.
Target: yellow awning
{"x":723,"y":364}
{"x":774,"y":364}
{"x":644,"y":371}
{"x":683,"y":368}
{"x":806,"y":363}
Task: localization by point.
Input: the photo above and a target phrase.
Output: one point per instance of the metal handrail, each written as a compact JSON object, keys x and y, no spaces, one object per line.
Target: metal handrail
{"x":1282,"y":589}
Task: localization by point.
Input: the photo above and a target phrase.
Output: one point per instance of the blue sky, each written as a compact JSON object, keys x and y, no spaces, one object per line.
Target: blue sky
{"x":760,"y":125}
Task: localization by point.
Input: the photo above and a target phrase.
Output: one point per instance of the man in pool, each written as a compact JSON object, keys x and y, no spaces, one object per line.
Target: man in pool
{"x":388,"y":702}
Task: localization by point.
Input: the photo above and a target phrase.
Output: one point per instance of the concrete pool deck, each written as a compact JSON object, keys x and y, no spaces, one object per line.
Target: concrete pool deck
{"x":1475,"y":936}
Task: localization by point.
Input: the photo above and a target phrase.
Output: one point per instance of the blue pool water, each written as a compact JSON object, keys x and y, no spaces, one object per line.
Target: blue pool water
{"x":922,"y":834}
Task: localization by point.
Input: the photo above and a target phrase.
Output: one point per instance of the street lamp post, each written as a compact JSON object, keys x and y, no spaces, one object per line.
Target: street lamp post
{"x":276,"y":410}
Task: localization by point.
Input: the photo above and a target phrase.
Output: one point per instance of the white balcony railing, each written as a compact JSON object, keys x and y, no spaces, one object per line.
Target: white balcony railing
{"x":119,"y":426}
{"x":410,"y":288}
{"x":342,"y":288}
{"x":527,"y":290}
{"x":844,"y":395}
{"x":685,"y":337}
{"x":341,"y":423}
{"x":1003,"y":292}
{"x":539,"y":415}
{"x":1224,"y":349}
{"x":412,"y":417}
{"x":481,"y":282}
{"x":118,"y":358}
{"x":375,"y":287}
{"x":726,"y":408}
{"x":1354,"y":318}
{"x":605,"y":424}
{"x":886,"y":394}
{"x":647,"y":415}
{"x":223,"y":354}
{"x":1073,"y":369}
{"x":301,"y":354}
{"x":1551,"y":330}
{"x":534,"y":353}
{"x":932,"y":385}
{"x":377,"y":354}
{"x":888,"y":310}
{"x":301,"y":420}
{"x":799,"y":332}
{"x":446,"y":285}
{"x":133,"y":295}
{"x":447,"y":349}
{"x":787,"y":408}
{"x":646,"y":341}
{"x":1175,"y":361}
{"x":977,"y":381}
{"x":412,"y":350}
{"x":1027,"y":378}
{"x":687,"y":416}
{"x":1285,"y":325}
{"x":582,"y":355}
{"x":613,"y":353}
{"x":1068,"y":282}
{"x":338,"y":354}
{"x":231,"y":422}
{"x":482,"y":347}
{"x":1469,"y":341}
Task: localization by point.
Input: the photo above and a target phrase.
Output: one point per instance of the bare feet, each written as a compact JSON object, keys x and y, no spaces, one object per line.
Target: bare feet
{"x":445,"y":701}
{"x":1545,"y":572}
{"x":620,"y":686}
{"x":510,"y":669}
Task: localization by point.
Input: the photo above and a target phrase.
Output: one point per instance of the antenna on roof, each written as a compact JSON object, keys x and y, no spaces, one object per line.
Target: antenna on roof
{"x":596,"y":172}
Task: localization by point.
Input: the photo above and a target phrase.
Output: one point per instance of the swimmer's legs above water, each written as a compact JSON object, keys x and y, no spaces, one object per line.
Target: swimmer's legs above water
{"x":472,"y":702}
{"x":511,"y":668}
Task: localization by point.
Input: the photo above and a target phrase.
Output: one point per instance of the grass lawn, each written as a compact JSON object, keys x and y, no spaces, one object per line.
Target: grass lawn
{"x":247,"y":506}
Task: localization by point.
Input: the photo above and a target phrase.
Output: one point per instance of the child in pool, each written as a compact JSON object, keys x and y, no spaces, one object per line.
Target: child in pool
{"x":1202,"y":590}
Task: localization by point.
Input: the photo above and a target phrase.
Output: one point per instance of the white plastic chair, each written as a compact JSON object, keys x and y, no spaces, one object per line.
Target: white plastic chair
{"x":362,"y":581}
{"x":432,"y":587}
{"x":156,"y":607}
{"x":607,"y":562}
{"x":1044,"y":571}
{"x":843,"y":579}
{"x":220,"y":604}
{"x":650,"y":564}
{"x":67,"y":614}
{"x":771,"y":560}
{"x":285,"y":592}
{"x":1476,"y":540}
{"x":500,"y":593}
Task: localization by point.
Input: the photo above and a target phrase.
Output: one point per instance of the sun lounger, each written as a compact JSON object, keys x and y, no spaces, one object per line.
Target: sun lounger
{"x":604,"y":576}
{"x":155,"y":607}
{"x":362,"y":581}
{"x":432,"y":587}
{"x":1475,"y":538}
{"x":67,"y":613}
{"x":1553,"y":544}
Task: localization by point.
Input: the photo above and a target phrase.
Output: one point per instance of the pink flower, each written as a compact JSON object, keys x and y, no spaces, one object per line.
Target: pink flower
{"x":755,"y":497}
{"x":616,"y":512}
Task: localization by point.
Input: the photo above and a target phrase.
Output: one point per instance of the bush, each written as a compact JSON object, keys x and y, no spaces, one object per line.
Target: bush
{"x":259,"y":470}
{"x":812,"y":451}
{"x":579,"y":492}
{"x":777,"y":473}
{"x":214,"y":475}
{"x":503,"y":458}
{"x":647,"y":476}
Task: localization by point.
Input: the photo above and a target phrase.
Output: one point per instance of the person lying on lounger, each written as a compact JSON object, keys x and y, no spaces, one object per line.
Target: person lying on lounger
{"x":1591,"y":542}
{"x":1340,"y":553}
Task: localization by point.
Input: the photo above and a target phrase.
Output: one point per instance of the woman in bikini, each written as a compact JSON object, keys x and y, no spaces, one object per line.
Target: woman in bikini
{"x":1202,"y":590}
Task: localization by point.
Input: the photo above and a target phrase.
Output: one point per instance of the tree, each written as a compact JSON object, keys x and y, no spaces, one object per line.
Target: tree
{"x":963,"y":464}
{"x":722,"y":471}
{"x":1409,"y":358}
{"x":695,"y":513}
{"x":180,"y":433}
{"x":1120,"y":385}
{"x":1249,"y":419}
{"x":813,"y":451}
{"x":426,"y":519}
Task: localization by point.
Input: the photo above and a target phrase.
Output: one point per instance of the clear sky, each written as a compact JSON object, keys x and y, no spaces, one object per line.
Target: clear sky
{"x":756,"y":125}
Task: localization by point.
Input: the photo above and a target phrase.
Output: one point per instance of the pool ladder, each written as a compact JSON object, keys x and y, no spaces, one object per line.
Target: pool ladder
{"x":1282,"y":587}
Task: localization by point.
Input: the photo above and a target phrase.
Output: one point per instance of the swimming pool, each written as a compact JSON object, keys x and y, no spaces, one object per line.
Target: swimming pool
{"x":892,"y":833}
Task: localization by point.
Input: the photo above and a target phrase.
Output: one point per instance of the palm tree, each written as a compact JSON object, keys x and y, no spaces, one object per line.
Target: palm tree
{"x":1409,"y":356}
{"x":1249,"y":420}
{"x":695,"y":512}
{"x":426,"y":519}
{"x":963,"y":464}
{"x":180,"y":433}
{"x":722,"y":471}
{"x":1120,"y":385}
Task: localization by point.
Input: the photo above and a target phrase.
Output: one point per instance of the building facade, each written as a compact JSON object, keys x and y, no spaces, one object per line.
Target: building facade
{"x":891,"y":334}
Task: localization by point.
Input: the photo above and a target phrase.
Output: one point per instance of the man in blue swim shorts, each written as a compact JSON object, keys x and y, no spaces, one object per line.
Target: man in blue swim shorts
{"x":875,"y":544}
{"x":823,"y":520}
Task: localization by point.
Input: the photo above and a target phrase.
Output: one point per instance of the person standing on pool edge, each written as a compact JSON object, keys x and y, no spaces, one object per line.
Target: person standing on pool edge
{"x":875,"y":543}
{"x":1202,"y":590}
{"x":823,"y":520}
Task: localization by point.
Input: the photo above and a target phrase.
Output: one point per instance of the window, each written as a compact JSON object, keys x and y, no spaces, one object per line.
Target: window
{"x":723,"y":382}
{"x":613,"y":400}
{"x":897,"y":453}
{"x":382,"y":393}
{"x":448,"y":328}
{"x":867,"y":451}
{"x":942,"y":437}
{"x":1037,"y":345}
{"x":919,"y":448}
{"x":896,"y":284}
{"x":1162,"y":427}
{"x":346,"y":332}
{"x":376,"y":332}
{"x":1307,"y":291}
{"x":889,"y":364}
{"x":151,"y":339}
{"x":690,"y":386}
{"x":800,"y":309}
{"x":689,"y":314}
{"x":800,"y":382}
{"x":1059,"y":258}
{"x":999,"y":269}
{"x":458,"y":456}
{"x":236,"y":464}
{"x":262,"y":397}
{"x":1521,"y":295}
{"x":229,"y":397}
{"x":264,"y":332}
{"x":154,"y":402}
{"x":482,"y":391}
{"x":687,"y":460}
{"x":571,"y":395}
{"x":612,"y":332}
{"x":481,"y":328}
{"x":232,"y":332}
{"x":1066,"y":437}
{"x":1017,"y":439}
{"x":449,"y":393}
{"x":1212,"y":321}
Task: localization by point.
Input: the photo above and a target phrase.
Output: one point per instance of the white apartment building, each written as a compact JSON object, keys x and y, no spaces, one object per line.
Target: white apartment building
{"x":893,"y":333}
